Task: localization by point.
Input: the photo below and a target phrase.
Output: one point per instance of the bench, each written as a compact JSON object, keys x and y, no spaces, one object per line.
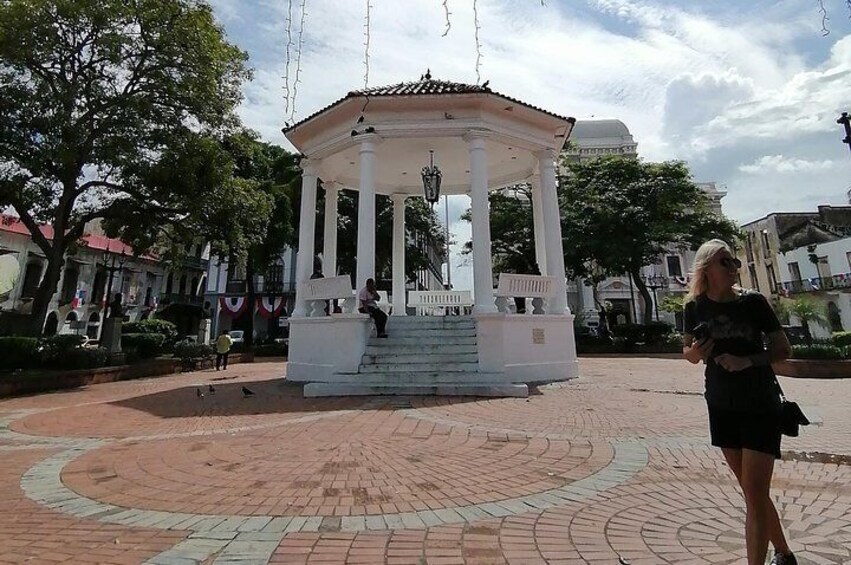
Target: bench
{"x":316,"y":293}
{"x":427,"y":302}
{"x":536,"y":287}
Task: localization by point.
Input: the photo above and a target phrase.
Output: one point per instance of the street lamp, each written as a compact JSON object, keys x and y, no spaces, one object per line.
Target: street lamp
{"x":845,"y":120}
{"x":654,"y":283}
{"x":109,"y":264}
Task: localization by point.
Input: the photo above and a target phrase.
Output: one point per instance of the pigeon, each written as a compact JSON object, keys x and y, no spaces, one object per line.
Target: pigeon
{"x":360,"y":120}
{"x":622,"y":561}
{"x":198,"y":393}
{"x":211,"y":389}
{"x":485,"y":84}
{"x":246,"y":392}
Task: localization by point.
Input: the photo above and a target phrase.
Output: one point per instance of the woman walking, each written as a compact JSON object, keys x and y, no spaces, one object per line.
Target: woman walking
{"x":725,"y":328}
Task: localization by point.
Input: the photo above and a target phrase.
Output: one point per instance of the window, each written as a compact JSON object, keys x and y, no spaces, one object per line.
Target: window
{"x":795,"y":271}
{"x":169,"y":283}
{"x":772,"y":279}
{"x":766,"y":244}
{"x":99,"y":287}
{"x":823,"y":269}
{"x":193,"y":290}
{"x":181,"y":290}
{"x":675,"y":268}
{"x":69,"y":285}
{"x":32,"y":277}
{"x":754,"y":280}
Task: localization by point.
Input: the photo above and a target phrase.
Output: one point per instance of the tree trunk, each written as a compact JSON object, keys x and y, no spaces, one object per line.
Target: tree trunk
{"x":808,"y":337}
{"x":46,"y":290}
{"x":252,"y":300}
{"x":645,"y":295}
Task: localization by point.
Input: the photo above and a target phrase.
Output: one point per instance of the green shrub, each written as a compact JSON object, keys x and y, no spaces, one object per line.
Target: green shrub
{"x":673,"y":339}
{"x":83,"y":358}
{"x":163,"y":327}
{"x":630,"y":333}
{"x":187,"y":350}
{"x":147,"y":345}
{"x":841,"y":339}
{"x":271,"y":350}
{"x":817,"y":352}
{"x":53,"y":350}
{"x":655,"y":332}
{"x":19,"y":352}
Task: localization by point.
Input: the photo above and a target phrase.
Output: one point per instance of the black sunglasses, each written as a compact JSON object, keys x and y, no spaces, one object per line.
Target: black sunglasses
{"x":729,"y":262}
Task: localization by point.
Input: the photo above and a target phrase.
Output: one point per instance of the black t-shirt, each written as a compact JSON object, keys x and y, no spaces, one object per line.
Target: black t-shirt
{"x":738,"y":327}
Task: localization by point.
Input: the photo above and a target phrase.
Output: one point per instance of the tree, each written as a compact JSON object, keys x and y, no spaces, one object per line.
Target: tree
{"x":512,"y":230}
{"x":272,"y":172}
{"x":621,"y":214}
{"x":421,"y":224}
{"x":806,"y":310}
{"x":95,"y":97}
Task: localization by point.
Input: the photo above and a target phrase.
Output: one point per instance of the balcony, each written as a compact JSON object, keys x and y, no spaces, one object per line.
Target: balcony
{"x":193,"y":262}
{"x":835,"y":282}
{"x":274,"y":287}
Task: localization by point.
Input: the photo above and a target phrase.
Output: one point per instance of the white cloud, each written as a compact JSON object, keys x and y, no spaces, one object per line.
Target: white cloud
{"x":781,"y":164}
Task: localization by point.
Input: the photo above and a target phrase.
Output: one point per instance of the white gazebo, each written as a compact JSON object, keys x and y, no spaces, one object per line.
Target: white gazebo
{"x":377,"y":141}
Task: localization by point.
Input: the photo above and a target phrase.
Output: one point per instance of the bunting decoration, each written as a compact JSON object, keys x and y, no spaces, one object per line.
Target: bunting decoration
{"x":233,"y":306}
{"x":270,"y":307}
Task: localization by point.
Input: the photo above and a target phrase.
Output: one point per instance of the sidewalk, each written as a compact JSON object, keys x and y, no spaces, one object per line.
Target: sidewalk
{"x":614,"y":464}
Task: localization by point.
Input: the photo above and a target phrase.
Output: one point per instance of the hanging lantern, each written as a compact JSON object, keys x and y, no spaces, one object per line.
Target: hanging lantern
{"x":431,"y":181}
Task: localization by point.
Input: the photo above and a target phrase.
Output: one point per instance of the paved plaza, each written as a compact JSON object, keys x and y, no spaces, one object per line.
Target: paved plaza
{"x":613,"y":465}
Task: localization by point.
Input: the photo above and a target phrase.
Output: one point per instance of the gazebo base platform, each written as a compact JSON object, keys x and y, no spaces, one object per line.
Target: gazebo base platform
{"x":366,"y":389}
{"x":489,"y":355}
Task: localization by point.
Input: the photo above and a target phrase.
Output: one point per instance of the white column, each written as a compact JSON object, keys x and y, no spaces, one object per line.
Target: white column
{"x":399,"y":254}
{"x":329,"y":252}
{"x":366,"y":210}
{"x":482,"y":265}
{"x":538,"y":216}
{"x":552,"y":231}
{"x":306,"y":233}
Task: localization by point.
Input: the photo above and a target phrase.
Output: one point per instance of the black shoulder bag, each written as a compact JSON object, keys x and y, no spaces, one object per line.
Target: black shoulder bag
{"x":791,"y":415}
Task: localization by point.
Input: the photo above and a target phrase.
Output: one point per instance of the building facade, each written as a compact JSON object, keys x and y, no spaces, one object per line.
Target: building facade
{"x":93,"y":273}
{"x":789,"y":255}
{"x":668,"y":276}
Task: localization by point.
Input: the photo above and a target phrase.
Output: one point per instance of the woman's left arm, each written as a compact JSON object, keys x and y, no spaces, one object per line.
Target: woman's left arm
{"x":778,"y":350}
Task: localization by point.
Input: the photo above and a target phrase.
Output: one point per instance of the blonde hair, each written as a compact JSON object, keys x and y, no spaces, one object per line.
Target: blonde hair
{"x":705,"y":253}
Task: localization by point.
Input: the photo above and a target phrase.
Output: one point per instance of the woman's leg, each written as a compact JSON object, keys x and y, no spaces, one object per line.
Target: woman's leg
{"x":762,"y":520}
{"x":775,"y":529}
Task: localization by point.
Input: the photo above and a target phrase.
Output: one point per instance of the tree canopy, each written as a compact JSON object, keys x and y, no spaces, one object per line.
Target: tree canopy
{"x":113,"y":110}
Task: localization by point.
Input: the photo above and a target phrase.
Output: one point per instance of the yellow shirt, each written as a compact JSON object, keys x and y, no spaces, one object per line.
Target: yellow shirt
{"x":223,"y":344}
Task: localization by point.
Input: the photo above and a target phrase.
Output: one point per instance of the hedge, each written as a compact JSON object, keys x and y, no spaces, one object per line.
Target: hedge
{"x":19,"y":352}
{"x":146,"y":345}
{"x":152,"y":326}
{"x":187,"y":351}
{"x":83,"y":358}
{"x":54,"y":350}
{"x":841,"y":339}
{"x":826,"y":352}
{"x":271,"y":350}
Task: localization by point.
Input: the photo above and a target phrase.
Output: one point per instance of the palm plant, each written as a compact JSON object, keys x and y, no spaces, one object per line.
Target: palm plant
{"x":806,"y":310}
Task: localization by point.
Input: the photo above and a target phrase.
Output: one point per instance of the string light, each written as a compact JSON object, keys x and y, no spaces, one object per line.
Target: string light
{"x":478,"y":43}
{"x":448,"y":13}
{"x":298,"y":58}
{"x":366,"y":45}
{"x":287,"y":64}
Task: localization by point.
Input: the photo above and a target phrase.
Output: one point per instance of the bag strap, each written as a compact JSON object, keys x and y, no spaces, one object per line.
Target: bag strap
{"x":779,"y":388}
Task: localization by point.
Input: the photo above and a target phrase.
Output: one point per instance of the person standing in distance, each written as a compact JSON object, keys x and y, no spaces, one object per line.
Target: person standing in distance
{"x":725,"y":328}
{"x":223,"y":345}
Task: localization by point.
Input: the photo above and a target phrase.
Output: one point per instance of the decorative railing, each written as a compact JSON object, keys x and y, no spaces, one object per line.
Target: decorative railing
{"x":433,"y":302}
{"x":172,"y":298}
{"x":815,"y":284}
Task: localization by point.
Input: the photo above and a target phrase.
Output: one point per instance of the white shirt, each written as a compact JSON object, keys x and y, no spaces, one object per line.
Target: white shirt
{"x":367,"y":299}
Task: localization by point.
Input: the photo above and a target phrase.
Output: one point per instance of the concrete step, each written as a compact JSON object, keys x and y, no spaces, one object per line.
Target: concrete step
{"x":406,"y":332}
{"x":312,"y":390}
{"x":419,"y":368}
{"x":393,"y":356}
{"x":398,"y":323}
{"x":432,"y":378}
{"x":443,"y":349}
{"x":421,"y":340}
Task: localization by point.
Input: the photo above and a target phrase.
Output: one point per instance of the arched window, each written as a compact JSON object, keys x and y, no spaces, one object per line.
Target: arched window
{"x":169,"y":283}
{"x":193,"y":289}
{"x":51,"y":325}
{"x":93,"y":326}
{"x":182,"y":288}
{"x":99,"y":287}
{"x":69,"y":285}
{"x":71,"y":317}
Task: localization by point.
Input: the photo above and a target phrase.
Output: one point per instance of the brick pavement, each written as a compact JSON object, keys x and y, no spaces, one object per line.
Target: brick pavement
{"x":614,"y":464}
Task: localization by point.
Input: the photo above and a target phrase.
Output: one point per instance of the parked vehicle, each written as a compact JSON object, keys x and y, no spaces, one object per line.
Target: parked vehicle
{"x":238,"y":336}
